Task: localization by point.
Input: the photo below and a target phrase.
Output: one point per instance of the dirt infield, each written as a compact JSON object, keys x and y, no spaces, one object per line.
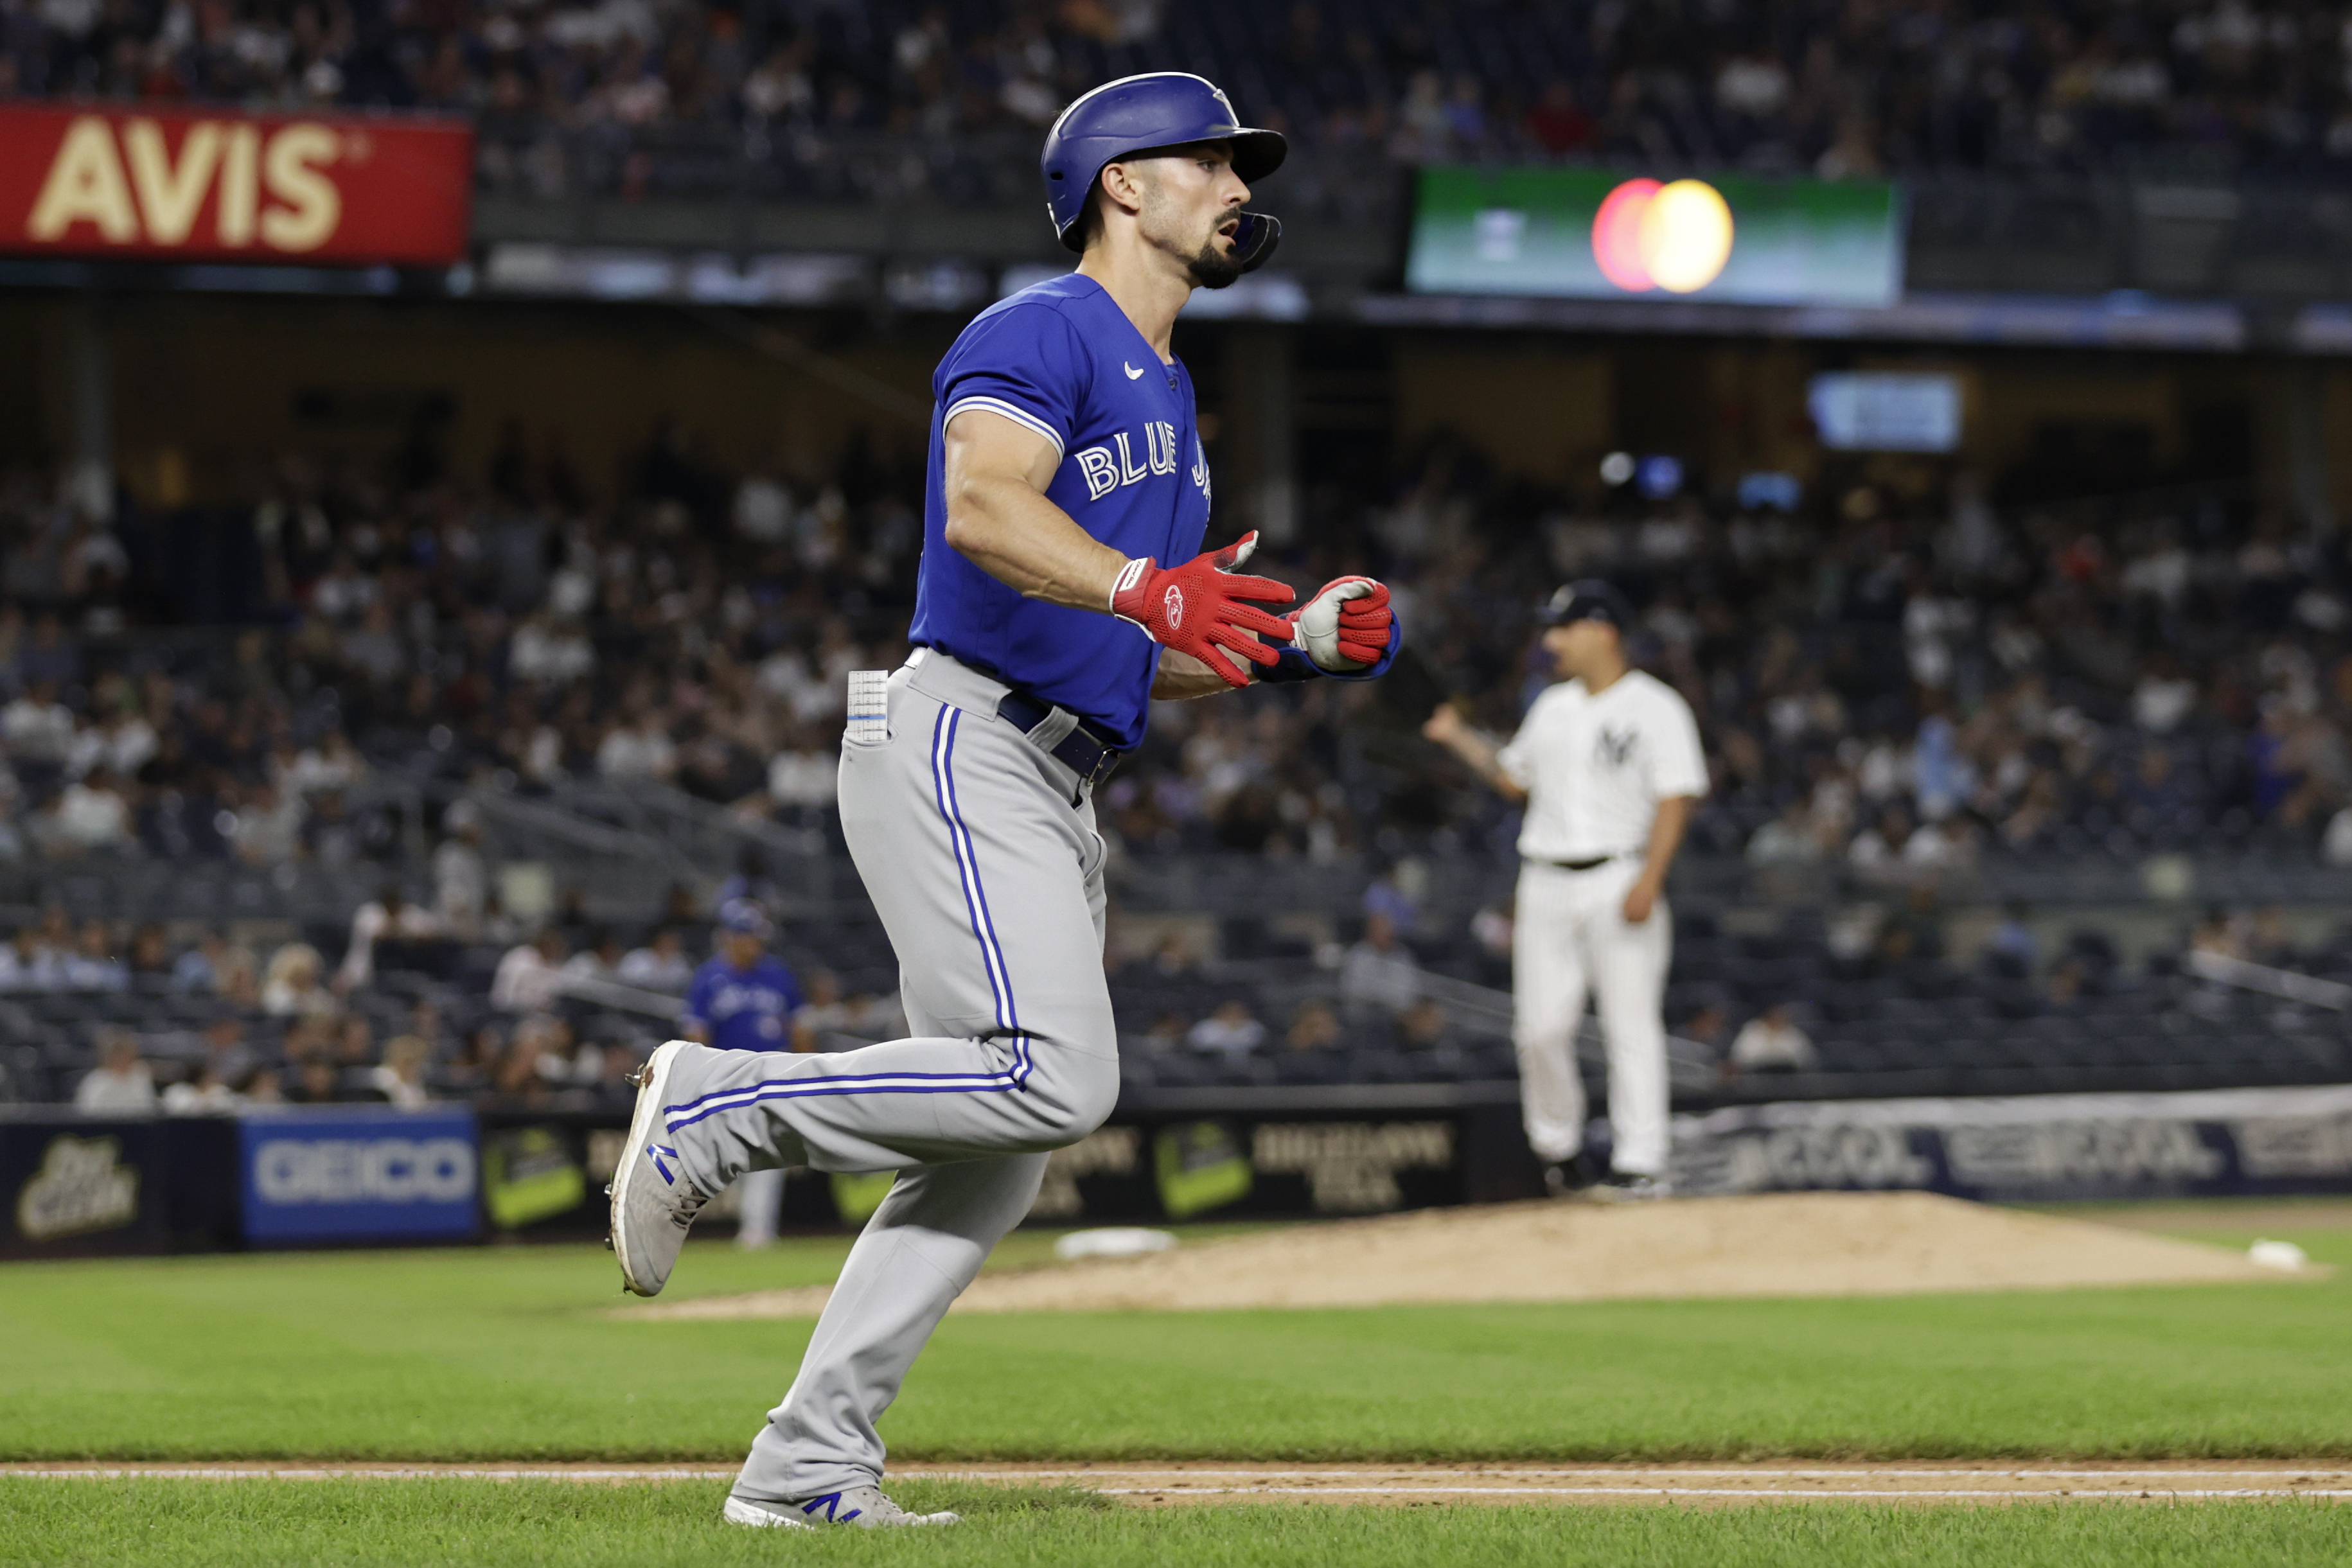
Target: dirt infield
{"x":1790,"y":1244}
{"x":1424,"y":1485}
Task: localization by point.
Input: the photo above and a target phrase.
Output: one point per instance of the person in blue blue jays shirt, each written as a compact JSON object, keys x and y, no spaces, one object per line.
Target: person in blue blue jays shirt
{"x":744,"y":999}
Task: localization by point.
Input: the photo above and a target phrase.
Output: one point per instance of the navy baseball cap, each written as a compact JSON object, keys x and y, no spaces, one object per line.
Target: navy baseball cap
{"x":1589,"y":598}
{"x":742,"y":917}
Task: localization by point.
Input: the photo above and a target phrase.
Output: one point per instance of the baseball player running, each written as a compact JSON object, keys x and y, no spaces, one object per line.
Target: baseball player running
{"x":1065,"y":469}
{"x":1609,"y":764}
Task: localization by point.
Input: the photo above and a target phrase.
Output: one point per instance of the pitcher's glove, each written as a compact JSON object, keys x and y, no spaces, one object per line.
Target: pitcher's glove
{"x":1348,"y":630}
{"x":1203,"y":607}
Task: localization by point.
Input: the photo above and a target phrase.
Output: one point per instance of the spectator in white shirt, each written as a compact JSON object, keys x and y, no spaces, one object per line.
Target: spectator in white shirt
{"x":36,"y":728}
{"x":804,"y":776}
{"x":388,"y":916}
{"x":659,"y":966}
{"x":121,"y":1083}
{"x":1771,"y":1042}
{"x":640,"y":748}
{"x":268,"y":826}
{"x":205,"y":1095}
{"x":1231,"y":1032}
{"x":530,"y":977}
{"x":91,"y":815}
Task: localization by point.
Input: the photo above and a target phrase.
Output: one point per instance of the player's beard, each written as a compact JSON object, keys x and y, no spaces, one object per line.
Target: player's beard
{"x":1213,"y":268}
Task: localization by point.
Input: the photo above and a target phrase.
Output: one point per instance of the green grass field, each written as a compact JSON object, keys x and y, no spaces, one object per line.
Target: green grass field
{"x":441,"y":1524}
{"x":515,"y":1353}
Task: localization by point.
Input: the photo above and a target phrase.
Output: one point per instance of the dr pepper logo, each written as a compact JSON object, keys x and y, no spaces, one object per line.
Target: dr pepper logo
{"x":217,"y":187}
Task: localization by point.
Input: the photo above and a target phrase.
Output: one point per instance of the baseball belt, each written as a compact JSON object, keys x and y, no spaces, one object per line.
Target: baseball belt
{"x":1580,"y":865}
{"x":1085,"y":753}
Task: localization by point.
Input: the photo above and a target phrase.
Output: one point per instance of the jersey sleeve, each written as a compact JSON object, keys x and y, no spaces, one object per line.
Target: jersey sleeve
{"x":1026,"y":363}
{"x":1677,"y":760}
{"x":1518,"y":758}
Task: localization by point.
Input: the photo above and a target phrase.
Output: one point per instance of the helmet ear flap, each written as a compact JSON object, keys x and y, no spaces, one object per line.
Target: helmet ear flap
{"x":1255,"y":240}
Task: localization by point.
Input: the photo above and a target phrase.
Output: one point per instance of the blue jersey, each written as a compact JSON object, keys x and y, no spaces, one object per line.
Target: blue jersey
{"x":1063,"y":359}
{"x":743,"y":1009}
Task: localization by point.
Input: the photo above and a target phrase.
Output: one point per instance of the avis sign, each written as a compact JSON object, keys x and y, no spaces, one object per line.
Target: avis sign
{"x":179,"y":184}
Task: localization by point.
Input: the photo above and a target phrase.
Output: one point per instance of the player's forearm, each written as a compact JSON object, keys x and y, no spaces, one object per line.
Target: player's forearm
{"x":1018,"y":537}
{"x":1667,"y":826}
{"x":1182,"y":677}
{"x":1483,"y":754}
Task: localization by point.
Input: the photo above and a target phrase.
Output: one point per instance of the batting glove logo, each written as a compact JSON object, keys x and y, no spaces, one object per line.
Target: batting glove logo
{"x":1172,"y":604}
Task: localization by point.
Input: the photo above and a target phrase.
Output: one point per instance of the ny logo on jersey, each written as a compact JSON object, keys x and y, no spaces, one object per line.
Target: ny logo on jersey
{"x":1105,"y":473}
{"x":1614,"y":749}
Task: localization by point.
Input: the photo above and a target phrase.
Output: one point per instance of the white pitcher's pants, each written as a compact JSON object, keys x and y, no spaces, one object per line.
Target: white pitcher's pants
{"x":1571,"y":938}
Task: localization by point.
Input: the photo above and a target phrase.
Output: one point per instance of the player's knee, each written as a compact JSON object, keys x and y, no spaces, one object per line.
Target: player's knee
{"x":1087,"y":1094}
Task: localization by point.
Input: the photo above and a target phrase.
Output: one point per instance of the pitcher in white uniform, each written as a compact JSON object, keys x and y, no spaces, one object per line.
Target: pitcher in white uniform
{"x":1609,"y":766}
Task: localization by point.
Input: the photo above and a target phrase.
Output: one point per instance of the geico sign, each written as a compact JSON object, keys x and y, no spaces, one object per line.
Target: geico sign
{"x":92,"y":183}
{"x":363,"y":1170}
{"x":167,"y":182}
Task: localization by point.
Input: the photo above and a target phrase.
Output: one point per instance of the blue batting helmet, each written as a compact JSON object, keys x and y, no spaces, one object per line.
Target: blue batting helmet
{"x":1142,"y":114}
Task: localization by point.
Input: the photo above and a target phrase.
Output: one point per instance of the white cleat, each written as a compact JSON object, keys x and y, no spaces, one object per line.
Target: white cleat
{"x":654,"y":1205}
{"x":861,"y":1508}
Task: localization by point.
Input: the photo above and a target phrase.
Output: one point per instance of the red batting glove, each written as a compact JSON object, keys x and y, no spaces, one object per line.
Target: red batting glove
{"x":1349,"y":616}
{"x":1199,"y":608}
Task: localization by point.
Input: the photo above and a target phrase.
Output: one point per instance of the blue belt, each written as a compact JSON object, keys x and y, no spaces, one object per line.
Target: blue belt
{"x":1084,"y":753}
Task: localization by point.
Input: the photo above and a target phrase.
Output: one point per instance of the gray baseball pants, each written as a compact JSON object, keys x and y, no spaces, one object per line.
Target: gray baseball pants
{"x":980,"y":853}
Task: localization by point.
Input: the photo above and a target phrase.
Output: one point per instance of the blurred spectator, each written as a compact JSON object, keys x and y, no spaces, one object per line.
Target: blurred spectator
{"x":92,"y":966}
{"x":461,"y":878}
{"x":27,"y":965}
{"x":660,"y":965}
{"x":1232,"y":1031}
{"x":530,"y":975}
{"x":91,"y":815}
{"x":600,"y":960}
{"x":1423,"y":1027}
{"x":292,"y":985}
{"x":1771,"y":1042}
{"x":400,"y":1077}
{"x":120,"y":1084}
{"x":1314,"y":1027}
{"x":206,"y":1093}
{"x":389,"y":917}
{"x":1378,"y":974}
{"x":151,"y":954}
{"x":316,"y":1082}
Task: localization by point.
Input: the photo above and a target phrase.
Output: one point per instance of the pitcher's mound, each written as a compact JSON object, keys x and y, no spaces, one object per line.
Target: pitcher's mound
{"x":1789,"y":1244}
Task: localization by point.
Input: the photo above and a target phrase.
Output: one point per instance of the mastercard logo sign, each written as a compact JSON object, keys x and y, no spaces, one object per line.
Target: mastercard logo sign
{"x":1673,"y":236}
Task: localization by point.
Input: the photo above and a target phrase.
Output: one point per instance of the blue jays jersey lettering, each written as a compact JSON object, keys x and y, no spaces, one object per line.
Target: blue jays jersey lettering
{"x":743,"y":1009}
{"x":1062,"y":358}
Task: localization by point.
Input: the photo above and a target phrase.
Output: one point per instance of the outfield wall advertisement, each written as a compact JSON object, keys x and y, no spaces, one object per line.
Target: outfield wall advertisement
{"x":2211,"y":1143}
{"x":358,"y":1175}
{"x":1592,"y":233}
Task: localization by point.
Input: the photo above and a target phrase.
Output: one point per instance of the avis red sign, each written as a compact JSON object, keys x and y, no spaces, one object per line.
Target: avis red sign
{"x":187,"y":184}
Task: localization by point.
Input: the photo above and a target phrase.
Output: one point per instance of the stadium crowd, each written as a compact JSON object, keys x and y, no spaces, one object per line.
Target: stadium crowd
{"x":1894,"y":678}
{"x":1839,"y":90}
{"x":1896,"y":681}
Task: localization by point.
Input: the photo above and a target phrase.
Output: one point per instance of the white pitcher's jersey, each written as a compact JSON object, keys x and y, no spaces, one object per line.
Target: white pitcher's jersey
{"x":1595,"y":767}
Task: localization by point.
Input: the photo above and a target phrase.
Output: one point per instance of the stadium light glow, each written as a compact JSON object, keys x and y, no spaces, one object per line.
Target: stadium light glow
{"x":1674,"y":236}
